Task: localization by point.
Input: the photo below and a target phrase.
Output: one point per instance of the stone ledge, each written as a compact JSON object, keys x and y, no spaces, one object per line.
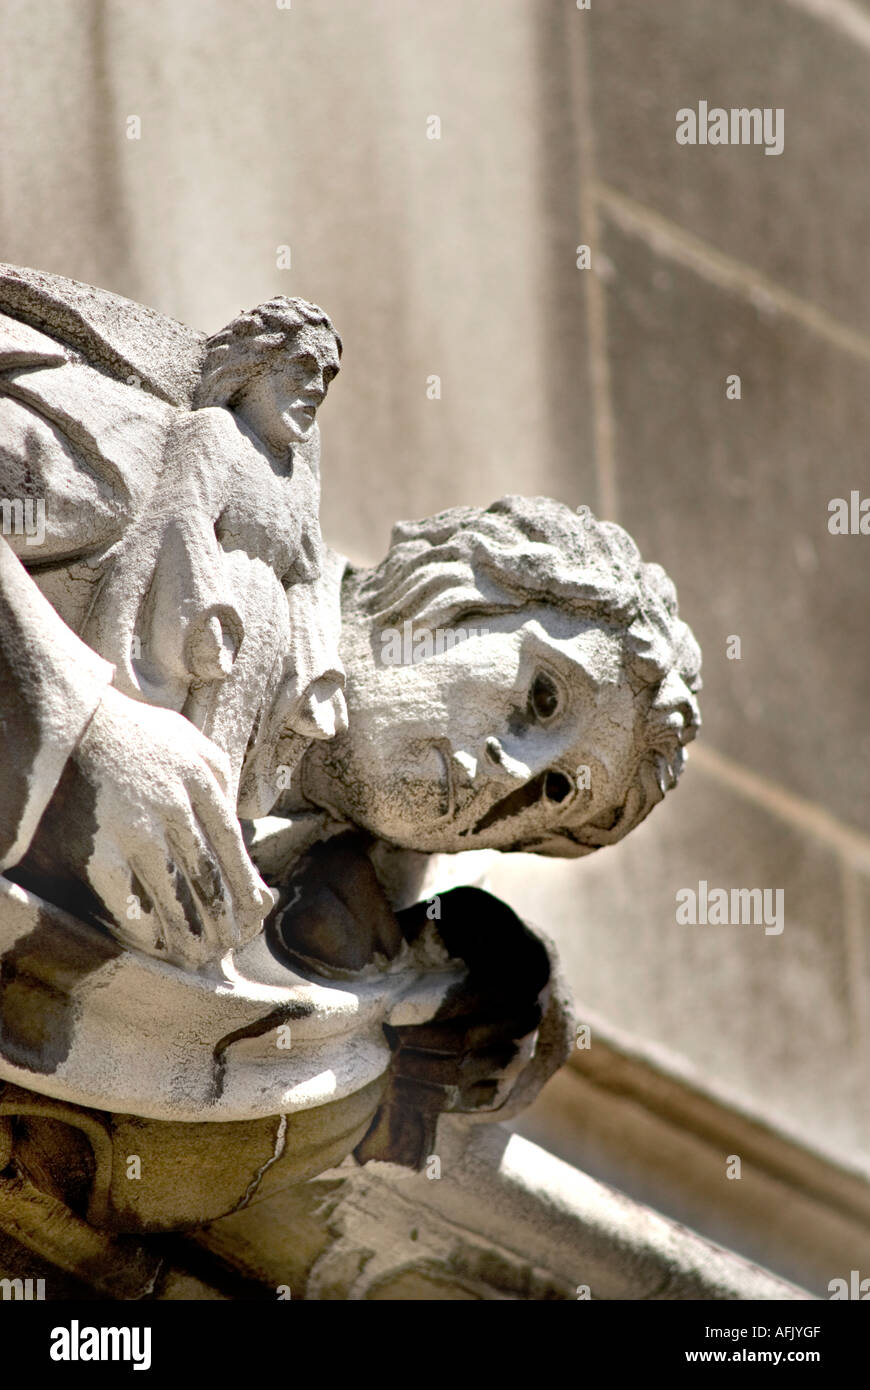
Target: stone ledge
{"x":639,"y":1117}
{"x":505,"y":1220}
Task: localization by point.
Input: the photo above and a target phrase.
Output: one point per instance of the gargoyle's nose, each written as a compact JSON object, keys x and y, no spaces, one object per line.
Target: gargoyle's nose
{"x":509,"y":768}
{"x":321,"y":712}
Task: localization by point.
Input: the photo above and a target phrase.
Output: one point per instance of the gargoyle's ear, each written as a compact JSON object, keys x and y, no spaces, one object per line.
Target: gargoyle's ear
{"x":321,"y":712}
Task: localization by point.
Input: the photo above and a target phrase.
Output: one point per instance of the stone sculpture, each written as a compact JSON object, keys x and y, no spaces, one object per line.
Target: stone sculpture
{"x":234,"y":763}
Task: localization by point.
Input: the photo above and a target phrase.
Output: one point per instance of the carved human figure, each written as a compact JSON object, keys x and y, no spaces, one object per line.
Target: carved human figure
{"x":176,"y":576}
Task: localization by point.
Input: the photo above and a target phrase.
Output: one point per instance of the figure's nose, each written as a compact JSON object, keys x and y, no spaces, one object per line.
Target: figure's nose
{"x":525,"y":783}
{"x":315,"y":385}
{"x":553,"y":784}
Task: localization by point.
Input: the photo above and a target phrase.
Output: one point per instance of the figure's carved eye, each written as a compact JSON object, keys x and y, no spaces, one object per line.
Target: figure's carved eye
{"x":557,"y":787}
{"x":543,"y":696}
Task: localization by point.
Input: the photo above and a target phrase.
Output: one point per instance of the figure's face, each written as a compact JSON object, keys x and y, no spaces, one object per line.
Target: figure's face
{"x":280,"y":403}
{"x":490,"y":744}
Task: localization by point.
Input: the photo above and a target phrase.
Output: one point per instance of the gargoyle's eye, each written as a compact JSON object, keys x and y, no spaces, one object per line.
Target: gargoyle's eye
{"x":543,"y":696}
{"x":557,"y":787}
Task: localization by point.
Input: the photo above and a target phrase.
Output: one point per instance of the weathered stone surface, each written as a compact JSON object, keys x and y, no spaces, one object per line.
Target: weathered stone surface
{"x":643,"y":1121}
{"x":149,"y":706}
{"x":456,"y":244}
{"x":766,"y":1017}
{"x":799,"y":217}
{"x":155,"y":546}
{"x":389,"y":225}
{"x":757,"y":474}
{"x":518,"y":678}
{"x":128,"y":1174}
{"x":498,"y":1219}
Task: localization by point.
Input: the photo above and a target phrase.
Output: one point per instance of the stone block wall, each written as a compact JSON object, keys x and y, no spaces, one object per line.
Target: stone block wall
{"x":713,"y":262}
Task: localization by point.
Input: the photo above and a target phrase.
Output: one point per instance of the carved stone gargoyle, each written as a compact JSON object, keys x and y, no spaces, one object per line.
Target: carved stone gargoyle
{"x":229,"y":935}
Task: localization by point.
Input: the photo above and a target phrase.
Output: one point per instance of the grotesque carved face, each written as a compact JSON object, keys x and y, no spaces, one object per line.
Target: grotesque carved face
{"x":280,"y":403}
{"x":491,"y":743}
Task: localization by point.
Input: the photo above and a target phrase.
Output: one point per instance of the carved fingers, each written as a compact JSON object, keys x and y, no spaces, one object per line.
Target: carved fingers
{"x":166,"y":859}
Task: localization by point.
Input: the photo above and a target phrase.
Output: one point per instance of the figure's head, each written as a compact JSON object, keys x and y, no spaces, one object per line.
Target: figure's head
{"x":518,"y":679}
{"x":272,"y":365}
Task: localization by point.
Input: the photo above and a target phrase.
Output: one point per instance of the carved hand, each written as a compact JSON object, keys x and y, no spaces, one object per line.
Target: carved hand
{"x":141,"y":835}
{"x":469,"y":1057}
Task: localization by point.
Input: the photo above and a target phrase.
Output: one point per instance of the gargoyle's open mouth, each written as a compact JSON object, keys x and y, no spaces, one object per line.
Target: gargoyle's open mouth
{"x":550,"y":788}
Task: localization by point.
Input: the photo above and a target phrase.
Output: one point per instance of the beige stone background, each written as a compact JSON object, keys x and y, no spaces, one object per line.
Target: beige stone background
{"x":307,"y":126}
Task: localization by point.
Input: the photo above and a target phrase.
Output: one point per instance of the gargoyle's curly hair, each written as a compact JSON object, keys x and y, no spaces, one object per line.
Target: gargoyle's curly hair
{"x":242,"y":349}
{"x":467,"y":562}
